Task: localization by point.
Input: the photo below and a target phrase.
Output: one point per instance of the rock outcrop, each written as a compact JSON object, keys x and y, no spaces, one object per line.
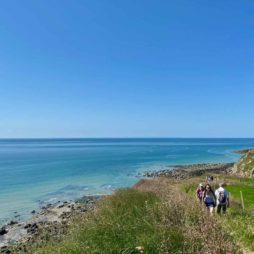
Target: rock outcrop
{"x":52,"y":220}
{"x":180,"y":172}
{"x":245,"y":166}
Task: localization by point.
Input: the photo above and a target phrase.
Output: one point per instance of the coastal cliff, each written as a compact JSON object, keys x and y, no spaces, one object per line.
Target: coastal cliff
{"x":245,"y":166}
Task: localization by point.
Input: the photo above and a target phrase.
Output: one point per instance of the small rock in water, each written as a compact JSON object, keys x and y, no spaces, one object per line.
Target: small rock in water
{"x":3,"y":231}
{"x":12,"y":223}
{"x":33,"y":212}
{"x":27,"y":225}
{"x":49,"y":206}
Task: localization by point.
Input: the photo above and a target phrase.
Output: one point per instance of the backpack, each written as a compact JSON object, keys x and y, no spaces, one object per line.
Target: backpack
{"x":222,"y":197}
{"x":209,"y":199}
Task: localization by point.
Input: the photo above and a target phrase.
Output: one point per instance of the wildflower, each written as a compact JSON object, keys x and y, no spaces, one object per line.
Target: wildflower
{"x":140,"y":248}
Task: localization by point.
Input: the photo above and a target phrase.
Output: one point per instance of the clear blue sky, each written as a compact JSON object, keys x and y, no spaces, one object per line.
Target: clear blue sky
{"x":126,"y":68}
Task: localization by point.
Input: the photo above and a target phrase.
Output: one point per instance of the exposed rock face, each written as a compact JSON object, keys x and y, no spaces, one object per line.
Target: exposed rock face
{"x":245,"y":166}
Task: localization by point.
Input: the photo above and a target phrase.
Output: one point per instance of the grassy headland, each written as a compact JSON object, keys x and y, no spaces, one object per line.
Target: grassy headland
{"x":245,"y":166}
{"x":159,"y":215}
{"x":156,"y":216}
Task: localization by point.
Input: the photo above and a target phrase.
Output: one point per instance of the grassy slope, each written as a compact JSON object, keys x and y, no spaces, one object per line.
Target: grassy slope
{"x":238,"y":223}
{"x":247,"y":191}
{"x":156,"y":216}
{"x":160,"y":216}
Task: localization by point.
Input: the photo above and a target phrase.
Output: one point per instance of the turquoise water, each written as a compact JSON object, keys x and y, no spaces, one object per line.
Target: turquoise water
{"x":36,"y":172}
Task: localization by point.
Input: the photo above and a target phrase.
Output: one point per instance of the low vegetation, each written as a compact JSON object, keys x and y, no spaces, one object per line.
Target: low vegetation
{"x":238,"y":221}
{"x":160,"y":216}
{"x":154,"y":217}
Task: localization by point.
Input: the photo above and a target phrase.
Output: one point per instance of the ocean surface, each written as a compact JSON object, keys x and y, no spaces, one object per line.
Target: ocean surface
{"x":39,"y":171}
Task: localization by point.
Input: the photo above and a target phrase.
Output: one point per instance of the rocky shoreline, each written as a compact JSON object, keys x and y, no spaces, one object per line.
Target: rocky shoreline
{"x":55,"y":218}
{"x":244,"y":151}
{"x":181,"y":172}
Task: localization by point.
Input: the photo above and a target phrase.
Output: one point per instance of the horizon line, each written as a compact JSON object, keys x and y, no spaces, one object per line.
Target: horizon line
{"x":149,"y":137}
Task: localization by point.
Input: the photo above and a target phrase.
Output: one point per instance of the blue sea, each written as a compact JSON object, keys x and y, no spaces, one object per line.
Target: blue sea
{"x":35,"y":172}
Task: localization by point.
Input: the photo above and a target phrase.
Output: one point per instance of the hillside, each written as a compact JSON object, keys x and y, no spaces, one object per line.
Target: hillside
{"x":245,"y":166}
{"x":156,"y":216}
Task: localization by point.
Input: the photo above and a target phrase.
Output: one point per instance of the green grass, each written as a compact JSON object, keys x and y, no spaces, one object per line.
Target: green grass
{"x":247,"y":191}
{"x":189,"y":188}
{"x":239,"y":179}
{"x":247,"y":180}
{"x":238,"y":223}
{"x":158,"y":219}
{"x":126,"y":220}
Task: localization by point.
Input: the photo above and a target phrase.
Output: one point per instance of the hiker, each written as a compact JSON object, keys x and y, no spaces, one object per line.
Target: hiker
{"x":200,"y":192}
{"x":222,"y":199}
{"x":209,"y":179}
{"x":209,"y":198}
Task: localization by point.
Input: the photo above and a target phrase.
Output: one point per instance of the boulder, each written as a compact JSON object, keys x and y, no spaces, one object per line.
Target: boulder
{"x":3,"y":231}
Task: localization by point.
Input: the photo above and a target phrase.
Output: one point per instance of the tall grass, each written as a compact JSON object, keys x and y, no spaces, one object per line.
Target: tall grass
{"x":153,"y":218}
{"x":238,"y":223}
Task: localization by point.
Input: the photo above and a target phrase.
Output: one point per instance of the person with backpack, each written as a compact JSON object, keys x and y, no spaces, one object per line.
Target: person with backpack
{"x":209,"y":179}
{"x":209,"y":198}
{"x":222,"y":197}
{"x":200,"y":192}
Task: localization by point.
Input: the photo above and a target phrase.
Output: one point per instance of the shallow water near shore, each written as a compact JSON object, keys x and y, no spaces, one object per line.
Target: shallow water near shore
{"x":39,"y":171}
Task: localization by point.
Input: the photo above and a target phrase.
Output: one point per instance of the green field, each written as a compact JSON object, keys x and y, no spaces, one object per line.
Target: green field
{"x":247,"y":192}
{"x":238,"y":222}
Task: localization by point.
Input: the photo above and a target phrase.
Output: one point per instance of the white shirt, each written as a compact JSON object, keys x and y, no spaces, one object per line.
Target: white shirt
{"x":217,"y":194}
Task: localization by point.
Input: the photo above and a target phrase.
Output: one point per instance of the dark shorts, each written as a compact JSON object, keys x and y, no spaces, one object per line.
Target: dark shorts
{"x":209,"y":204}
